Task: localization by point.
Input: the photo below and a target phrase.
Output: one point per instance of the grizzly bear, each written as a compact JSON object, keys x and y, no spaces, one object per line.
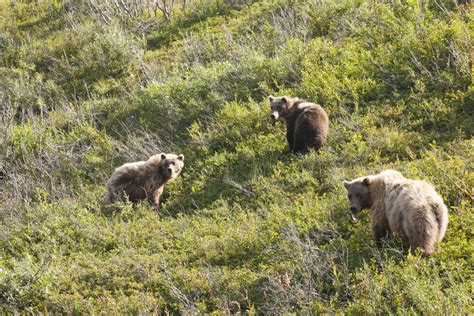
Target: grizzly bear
{"x":307,"y":124}
{"x":410,"y":208}
{"x":144,"y":179}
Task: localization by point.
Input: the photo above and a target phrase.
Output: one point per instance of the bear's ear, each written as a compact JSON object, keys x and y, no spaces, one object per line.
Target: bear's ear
{"x":271,"y":98}
{"x":366,"y":182}
{"x":163,"y":156}
{"x":347,"y":184}
{"x":181,"y":157}
{"x":284,"y":99}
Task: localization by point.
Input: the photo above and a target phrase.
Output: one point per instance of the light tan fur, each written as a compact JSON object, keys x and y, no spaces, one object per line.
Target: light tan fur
{"x":142,"y":180}
{"x":410,"y":208}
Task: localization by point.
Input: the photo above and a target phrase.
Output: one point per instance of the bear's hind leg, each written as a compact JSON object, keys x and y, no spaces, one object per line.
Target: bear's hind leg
{"x":302,"y":137}
{"x":423,"y":232}
{"x":299,"y":144}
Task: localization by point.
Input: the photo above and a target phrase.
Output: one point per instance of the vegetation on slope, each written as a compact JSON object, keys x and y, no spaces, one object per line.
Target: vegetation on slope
{"x":88,"y":85}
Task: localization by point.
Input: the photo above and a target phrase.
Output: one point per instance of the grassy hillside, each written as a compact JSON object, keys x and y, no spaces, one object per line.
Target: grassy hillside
{"x":248,"y":227}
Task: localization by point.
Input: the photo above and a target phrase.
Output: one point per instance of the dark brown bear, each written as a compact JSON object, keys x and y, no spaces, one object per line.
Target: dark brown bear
{"x":307,"y":123}
{"x":144,"y":180}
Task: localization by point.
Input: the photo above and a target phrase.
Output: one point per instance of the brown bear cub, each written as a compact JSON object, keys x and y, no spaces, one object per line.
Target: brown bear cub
{"x":144,"y":179}
{"x":307,"y":124}
{"x":410,"y":208}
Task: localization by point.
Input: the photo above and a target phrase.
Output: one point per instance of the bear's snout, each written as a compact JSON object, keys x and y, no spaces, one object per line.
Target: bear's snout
{"x":353,"y":209}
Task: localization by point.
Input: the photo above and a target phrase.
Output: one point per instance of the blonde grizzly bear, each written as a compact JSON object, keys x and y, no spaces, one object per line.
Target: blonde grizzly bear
{"x":307,"y":124}
{"x":410,"y":208}
{"x":144,"y":179}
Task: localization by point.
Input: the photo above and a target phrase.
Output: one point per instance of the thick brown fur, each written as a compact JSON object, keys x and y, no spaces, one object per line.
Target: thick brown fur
{"x":307,"y":123}
{"x":144,"y":180}
{"x":410,"y":208}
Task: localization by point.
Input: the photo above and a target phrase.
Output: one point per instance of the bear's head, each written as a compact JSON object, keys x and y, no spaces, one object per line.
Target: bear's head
{"x":359,"y":195}
{"x":279,"y":107}
{"x":172,"y":165}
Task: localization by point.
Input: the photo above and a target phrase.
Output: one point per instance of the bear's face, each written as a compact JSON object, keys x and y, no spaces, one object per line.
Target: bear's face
{"x":172,"y":165}
{"x":358,"y":193}
{"x":279,"y":107}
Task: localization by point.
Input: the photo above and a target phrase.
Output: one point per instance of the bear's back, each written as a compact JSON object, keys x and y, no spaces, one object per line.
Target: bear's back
{"x":411,"y":196}
{"x":129,"y":171}
{"x":425,"y":192}
{"x":129,"y":167}
{"x":302,"y":106}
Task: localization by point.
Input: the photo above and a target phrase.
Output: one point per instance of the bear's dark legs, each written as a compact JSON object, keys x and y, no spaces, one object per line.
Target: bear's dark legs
{"x":115,"y":196}
{"x":304,"y":141}
{"x":290,"y":143}
{"x":300,"y":136}
{"x":379,"y":232}
{"x":290,"y":135}
{"x":316,"y":143}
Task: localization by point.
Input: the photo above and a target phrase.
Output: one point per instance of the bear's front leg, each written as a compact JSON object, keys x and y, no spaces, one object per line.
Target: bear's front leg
{"x":290,"y":139}
{"x":154,"y":198}
{"x":290,"y":134}
{"x":116,"y":195}
{"x":380,"y":231}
